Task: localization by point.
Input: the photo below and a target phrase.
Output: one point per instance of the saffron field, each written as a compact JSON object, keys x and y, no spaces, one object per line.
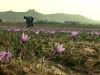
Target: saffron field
{"x":49,"y":50}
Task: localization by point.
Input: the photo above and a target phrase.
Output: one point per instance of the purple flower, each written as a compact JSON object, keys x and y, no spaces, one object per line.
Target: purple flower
{"x":59,"y":48}
{"x":5,"y":57}
{"x":24,"y":38}
{"x":16,"y":29}
{"x":63,"y":31}
{"x":97,"y":33}
{"x":52,"y":32}
{"x":74,"y":35}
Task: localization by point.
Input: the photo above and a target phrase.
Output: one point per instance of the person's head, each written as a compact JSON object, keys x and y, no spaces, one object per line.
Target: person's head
{"x":24,"y":17}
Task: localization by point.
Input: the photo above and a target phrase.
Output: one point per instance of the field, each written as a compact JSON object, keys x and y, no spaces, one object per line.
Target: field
{"x":49,"y":49}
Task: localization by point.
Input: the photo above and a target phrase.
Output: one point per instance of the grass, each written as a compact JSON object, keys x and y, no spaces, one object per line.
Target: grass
{"x":39,"y":57}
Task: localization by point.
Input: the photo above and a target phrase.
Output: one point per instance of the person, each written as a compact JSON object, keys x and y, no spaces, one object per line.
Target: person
{"x":29,"y":21}
{"x":0,"y":20}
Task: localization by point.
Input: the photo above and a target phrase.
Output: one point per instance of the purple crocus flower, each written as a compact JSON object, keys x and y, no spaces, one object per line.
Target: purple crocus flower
{"x":9,"y":29}
{"x":5,"y":57}
{"x":74,"y":34}
{"x":97,"y":33}
{"x":16,"y":29}
{"x":63,"y":31}
{"x":59,"y":48}
{"x":24,"y":38}
{"x":52,"y":32}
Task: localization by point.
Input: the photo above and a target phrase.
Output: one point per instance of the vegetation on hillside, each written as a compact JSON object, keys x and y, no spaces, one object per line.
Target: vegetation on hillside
{"x":58,"y":17}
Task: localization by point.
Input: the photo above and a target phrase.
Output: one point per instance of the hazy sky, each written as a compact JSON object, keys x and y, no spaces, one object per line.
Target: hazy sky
{"x":89,"y":8}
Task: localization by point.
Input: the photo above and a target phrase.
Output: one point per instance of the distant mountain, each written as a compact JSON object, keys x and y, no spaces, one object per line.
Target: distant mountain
{"x":58,"y":17}
{"x":18,"y":16}
{"x":97,"y":21}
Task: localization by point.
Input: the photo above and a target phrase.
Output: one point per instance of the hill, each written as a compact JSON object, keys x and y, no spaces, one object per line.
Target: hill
{"x":58,"y":17}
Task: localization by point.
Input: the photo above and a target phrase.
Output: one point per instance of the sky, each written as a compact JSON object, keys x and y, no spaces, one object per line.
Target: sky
{"x":88,"y":8}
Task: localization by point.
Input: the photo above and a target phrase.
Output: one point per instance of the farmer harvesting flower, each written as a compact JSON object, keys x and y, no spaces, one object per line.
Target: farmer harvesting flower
{"x":5,"y":57}
{"x":74,"y":35}
{"x":29,"y":20}
{"x":24,"y":38}
{"x":59,"y":48}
